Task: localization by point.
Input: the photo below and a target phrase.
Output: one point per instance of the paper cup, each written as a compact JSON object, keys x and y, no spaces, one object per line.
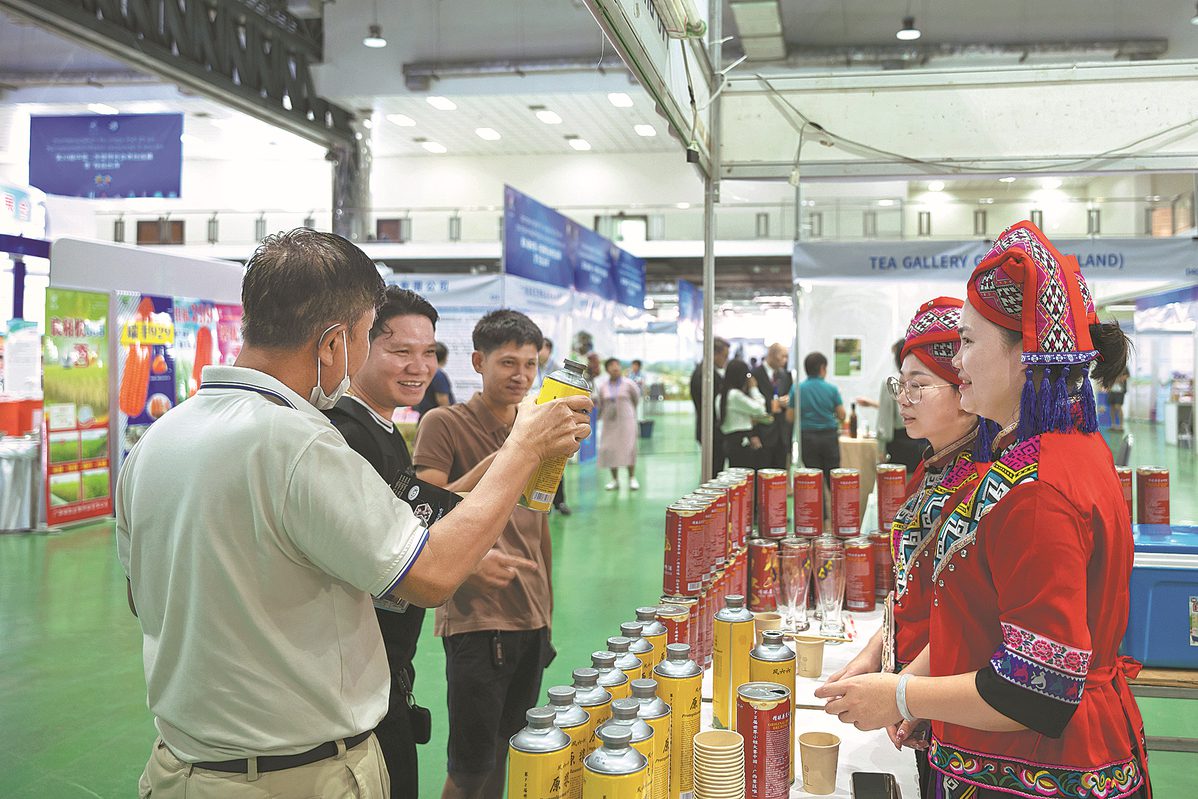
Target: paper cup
{"x":819,"y":752}
{"x":719,"y":741}
{"x":766,"y":621}
{"x":810,"y":655}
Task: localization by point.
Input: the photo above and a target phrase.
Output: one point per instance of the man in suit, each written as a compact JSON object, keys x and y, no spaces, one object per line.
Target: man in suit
{"x":721,"y":358}
{"x":774,"y":381}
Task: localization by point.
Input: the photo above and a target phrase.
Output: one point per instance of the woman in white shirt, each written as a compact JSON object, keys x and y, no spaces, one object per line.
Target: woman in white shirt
{"x":741,"y":408}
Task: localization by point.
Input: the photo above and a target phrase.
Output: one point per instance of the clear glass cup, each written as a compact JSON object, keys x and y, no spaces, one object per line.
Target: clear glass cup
{"x":829,"y":569}
{"x":794,"y":563}
{"x":821,"y":546}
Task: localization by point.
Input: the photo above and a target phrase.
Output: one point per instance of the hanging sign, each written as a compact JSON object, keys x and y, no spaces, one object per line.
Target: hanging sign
{"x":118,"y":155}
{"x":535,"y":240}
{"x":1100,"y":258}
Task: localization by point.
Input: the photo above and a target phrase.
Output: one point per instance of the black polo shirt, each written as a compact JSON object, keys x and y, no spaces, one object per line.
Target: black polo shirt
{"x":387,"y":452}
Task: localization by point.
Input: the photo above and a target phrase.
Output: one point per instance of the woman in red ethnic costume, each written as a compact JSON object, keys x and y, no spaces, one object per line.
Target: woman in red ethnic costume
{"x":1025,"y":689}
{"x":928,"y":394}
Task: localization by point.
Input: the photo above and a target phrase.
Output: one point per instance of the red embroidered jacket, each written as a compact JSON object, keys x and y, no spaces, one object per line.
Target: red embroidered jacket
{"x":1030,"y":590}
{"x":912,"y":539}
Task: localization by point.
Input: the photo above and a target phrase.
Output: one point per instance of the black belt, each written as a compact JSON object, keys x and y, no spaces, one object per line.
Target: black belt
{"x":281,"y":762}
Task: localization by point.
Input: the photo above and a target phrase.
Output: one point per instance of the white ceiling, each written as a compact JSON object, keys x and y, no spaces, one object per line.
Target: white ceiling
{"x":24,"y":47}
{"x":590,"y":116}
{"x":839,"y":23}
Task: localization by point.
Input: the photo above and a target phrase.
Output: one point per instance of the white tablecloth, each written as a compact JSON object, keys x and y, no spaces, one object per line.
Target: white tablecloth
{"x":859,"y":751}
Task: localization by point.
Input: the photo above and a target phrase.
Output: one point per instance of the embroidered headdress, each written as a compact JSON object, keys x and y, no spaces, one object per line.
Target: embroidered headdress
{"x":933,"y":337}
{"x":1024,"y":284}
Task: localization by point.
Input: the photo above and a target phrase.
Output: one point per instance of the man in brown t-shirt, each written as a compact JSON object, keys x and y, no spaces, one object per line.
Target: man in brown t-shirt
{"x":495,"y":629}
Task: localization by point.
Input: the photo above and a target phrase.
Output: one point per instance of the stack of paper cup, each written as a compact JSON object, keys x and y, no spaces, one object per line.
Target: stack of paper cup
{"x":719,"y":765}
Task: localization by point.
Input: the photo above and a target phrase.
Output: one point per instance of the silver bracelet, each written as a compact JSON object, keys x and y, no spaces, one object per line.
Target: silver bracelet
{"x":900,"y":697}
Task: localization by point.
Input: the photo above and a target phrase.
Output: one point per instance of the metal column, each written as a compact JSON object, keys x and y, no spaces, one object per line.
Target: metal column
{"x":711,"y":196}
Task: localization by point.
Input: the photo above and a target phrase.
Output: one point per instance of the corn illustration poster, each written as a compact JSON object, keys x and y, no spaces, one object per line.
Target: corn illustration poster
{"x":195,"y":344}
{"x":145,"y":354}
{"x":75,"y":368}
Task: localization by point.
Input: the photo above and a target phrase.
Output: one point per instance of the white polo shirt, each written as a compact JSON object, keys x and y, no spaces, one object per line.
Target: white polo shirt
{"x":254,"y":538}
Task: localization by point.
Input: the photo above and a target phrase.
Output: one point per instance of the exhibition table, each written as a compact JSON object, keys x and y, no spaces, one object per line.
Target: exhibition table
{"x":859,"y":751}
{"x":1167,"y":684}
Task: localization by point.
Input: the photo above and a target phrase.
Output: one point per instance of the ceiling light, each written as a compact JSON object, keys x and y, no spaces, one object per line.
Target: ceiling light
{"x":403,"y":120}
{"x":374,"y":37}
{"x":1007,"y":179}
{"x":101,"y":108}
{"x":187,"y":138}
{"x":488,"y":134}
{"x":441,"y":103}
{"x":986,"y":201}
{"x":1051,"y":183}
{"x":368,"y":123}
{"x":936,"y":185}
{"x":683,"y":206}
{"x":548,"y":117}
{"x":434,"y":147}
{"x":619,"y":99}
{"x":579,"y":143}
{"x":885,"y":203}
{"x":645,"y":130}
{"x":908,"y":33}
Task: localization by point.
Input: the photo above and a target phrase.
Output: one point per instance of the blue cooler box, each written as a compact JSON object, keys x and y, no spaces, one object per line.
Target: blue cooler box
{"x":1162,"y":625}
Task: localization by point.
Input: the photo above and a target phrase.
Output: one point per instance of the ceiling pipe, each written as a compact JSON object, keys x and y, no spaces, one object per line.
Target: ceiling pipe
{"x":419,"y":77}
{"x":904,"y":55}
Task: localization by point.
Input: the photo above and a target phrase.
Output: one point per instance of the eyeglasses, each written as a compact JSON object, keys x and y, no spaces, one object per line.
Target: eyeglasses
{"x":912,"y":391}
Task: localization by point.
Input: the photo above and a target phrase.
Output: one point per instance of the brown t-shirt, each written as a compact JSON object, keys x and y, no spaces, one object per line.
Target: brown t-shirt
{"x":454,"y":439}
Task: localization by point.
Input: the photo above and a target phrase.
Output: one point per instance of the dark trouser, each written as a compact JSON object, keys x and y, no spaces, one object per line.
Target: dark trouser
{"x":776,"y":454}
{"x":821,"y":450}
{"x":740,"y":454}
{"x":906,"y":450}
{"x":560,"y":497}
{"x":395,"y":738}
{"x":488,"y":695}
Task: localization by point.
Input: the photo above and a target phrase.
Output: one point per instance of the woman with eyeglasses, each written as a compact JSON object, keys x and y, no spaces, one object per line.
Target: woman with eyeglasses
{"x":928,"y":396}
{"x":742,"y":406}
{"x":1022,"y":679}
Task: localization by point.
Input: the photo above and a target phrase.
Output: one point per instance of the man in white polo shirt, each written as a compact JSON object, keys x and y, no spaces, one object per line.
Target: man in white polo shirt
{"x":254,"y":538}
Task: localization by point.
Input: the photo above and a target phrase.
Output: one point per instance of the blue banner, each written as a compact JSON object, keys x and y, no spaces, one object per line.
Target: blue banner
{"x":1100,"y":259}
{"x":122,"y":155}
{"x":690,"y":302}
{"x":535,"y":240}
{"x":542,"y":245}
{"x":630,"y":280}
{"x":594,"y":259}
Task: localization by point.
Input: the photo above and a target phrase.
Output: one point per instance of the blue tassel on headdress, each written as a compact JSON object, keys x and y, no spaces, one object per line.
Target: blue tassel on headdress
{"x":1027,"y":408}
{"x":983,"y":445}
{"x":1043,"y":405}
{"x":1089,"y":408}
{"x":1062,"y":416}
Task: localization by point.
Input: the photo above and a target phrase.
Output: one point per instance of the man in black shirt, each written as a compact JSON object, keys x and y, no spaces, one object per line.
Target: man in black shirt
{"x":720,"y":360}
{"x":398,"y":370}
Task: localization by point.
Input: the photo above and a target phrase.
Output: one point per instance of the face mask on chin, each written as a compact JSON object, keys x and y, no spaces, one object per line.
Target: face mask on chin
{"x":317,"y":397}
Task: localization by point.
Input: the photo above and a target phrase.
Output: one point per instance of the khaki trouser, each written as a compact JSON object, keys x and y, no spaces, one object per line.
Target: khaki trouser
{"x":358,"y":773}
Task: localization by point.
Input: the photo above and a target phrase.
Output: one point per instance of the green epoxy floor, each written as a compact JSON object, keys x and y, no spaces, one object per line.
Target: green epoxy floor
{"x":72,"y":694}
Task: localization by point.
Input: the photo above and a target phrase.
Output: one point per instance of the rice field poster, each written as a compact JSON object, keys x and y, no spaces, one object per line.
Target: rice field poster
{"x":75,"y":386}
{"x":146,"y":363}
